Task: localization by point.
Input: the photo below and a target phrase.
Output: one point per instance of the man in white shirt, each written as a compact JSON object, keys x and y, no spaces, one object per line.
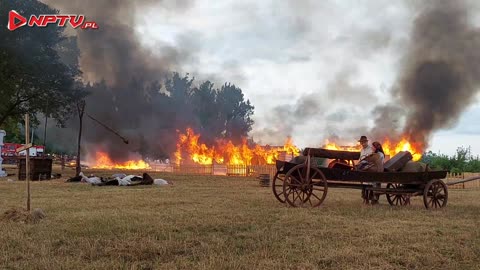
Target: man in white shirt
{"x":366,"y":151}
{"x":366,"y":148}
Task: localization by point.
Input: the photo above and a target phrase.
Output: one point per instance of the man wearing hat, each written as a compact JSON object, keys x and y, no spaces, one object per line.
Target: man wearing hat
{"x":366,"y":148}
{"x":366,"y":151}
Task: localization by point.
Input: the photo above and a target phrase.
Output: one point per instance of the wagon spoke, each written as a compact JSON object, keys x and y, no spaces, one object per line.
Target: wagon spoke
{"x":318,"y":188}
{"x":293,"y":196}
{"x":300,"y":174}
{"x":394,"y":199}
{"x":399,"y":200}
{"x":290,"y":190}
{"x":433,"y":203}
{"x":430,"y":200}
{"x":316,"y":196}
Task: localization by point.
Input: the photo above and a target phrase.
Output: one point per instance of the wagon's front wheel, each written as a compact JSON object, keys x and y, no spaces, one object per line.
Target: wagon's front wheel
{"x":397,"y":199}
{"x":435,"y":194}
{"x":305,"y":186}
{"x":277,"y":187}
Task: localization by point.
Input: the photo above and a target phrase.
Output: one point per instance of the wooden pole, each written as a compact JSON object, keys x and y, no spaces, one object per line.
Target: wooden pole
{"x":45,"y":136}
{"x":27,"y":158}
{"x":45,"y":131}
{"x":80,"y":110}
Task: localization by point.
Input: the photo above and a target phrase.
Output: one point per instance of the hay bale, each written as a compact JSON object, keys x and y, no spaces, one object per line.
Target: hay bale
{"x":38,"y":214}
{"x":23,"y":216}
{"x":413,"y":166}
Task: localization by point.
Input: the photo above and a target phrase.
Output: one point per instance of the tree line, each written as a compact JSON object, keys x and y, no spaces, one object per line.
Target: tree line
{"x":461,"y":161}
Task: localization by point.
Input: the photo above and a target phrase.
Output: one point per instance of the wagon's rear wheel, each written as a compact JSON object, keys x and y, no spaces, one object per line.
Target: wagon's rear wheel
{"x":397,"y":199}
{"x":277,"y":187}
{"x":305,"y":186}
{"x":435,"y":194}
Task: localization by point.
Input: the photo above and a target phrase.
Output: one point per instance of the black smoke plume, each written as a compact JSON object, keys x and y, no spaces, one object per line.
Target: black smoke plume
{"x":441,"y":73}
{"x":124,"y":77}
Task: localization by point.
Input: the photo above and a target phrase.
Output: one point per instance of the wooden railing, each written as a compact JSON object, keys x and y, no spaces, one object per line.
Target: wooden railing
{"x":232,"y":170}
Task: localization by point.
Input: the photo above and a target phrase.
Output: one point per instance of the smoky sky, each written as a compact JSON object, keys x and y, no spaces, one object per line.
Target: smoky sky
{"x":303,"y":64}
{"x":436,"y":78}
{"x":113,"y":52}
{"x":440,"y":76}
{"x":114,"y":55}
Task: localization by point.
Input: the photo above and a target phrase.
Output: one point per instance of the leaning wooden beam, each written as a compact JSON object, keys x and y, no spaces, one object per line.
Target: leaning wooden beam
{"x":463,"y":181}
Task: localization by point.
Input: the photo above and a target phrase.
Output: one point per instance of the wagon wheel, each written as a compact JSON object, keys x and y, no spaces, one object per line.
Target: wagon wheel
{"x":397,"y":199}
{"x":435,"y":194}
{"x":303,"y":187}
{"x":277,"y":187}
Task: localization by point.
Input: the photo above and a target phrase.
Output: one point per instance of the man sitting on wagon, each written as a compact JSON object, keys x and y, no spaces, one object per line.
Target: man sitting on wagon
{"x":366,"y":151}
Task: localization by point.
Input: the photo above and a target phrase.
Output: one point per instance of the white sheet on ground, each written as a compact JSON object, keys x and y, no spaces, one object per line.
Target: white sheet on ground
{"x":160,"y":182}
{"x":90,"y":180}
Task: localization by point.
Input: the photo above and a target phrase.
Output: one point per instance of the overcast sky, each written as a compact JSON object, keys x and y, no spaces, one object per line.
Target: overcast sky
{"x":312,"y":69}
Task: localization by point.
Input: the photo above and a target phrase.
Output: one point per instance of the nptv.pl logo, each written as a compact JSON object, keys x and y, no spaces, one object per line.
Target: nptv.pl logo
{"x":15,"y":21}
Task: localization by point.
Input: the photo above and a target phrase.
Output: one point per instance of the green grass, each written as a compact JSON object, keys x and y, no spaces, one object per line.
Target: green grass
{"x":231,"y":223}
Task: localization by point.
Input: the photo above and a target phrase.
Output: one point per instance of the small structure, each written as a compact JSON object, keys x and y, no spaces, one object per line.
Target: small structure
{"x":264,"y":180}
{"x":40,"y":168}
{"x":2,"y":134}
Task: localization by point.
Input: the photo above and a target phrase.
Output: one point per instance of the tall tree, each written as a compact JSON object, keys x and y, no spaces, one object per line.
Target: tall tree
{"x":203,"y":102}
{"x":31,"y":71}
{"x":234,"y":112}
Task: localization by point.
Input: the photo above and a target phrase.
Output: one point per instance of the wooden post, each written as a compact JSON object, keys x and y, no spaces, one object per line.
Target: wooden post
{"x":81,"y":110}
{"x":27,"y":158}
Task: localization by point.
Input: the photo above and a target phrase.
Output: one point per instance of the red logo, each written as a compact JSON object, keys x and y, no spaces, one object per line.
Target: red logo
{"x":12,"y":17}
{"x":74,"y":21}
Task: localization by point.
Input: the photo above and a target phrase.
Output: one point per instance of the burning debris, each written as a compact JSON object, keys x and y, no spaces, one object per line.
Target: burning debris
{"x":103,"y":161}
{"x":190,"y":149}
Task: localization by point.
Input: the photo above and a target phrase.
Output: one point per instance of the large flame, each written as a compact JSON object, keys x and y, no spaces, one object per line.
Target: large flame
{"x":333,"y":146}
{"x":403,"y":145}
{"x":390,"y":148}
{"x":189,"y":149}
{"x":103,"y":161}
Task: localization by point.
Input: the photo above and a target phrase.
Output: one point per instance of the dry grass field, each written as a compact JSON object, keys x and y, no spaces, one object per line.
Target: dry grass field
{"x":206,"y":222}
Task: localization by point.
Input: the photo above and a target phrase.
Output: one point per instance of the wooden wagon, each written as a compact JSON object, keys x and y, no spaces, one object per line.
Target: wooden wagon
{"x":306,"y":184}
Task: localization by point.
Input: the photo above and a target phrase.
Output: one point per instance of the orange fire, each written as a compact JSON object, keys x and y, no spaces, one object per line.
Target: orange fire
{"x":333,"y":146}
{"x":189,"y":149}
{"x":390,"y":148}
{"x":403,"y":145}
{"x":103,"y":161}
